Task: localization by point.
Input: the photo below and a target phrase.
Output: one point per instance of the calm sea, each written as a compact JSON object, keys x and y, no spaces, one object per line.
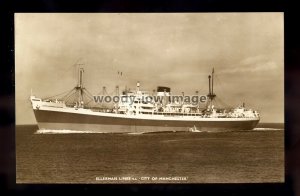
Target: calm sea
{"x":205,"y":157}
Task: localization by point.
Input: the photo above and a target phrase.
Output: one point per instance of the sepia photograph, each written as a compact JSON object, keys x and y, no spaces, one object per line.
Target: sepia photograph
{"x":149,"y":98}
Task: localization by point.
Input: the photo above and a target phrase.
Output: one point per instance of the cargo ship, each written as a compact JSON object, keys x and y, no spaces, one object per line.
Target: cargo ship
{"x":132,"y":114}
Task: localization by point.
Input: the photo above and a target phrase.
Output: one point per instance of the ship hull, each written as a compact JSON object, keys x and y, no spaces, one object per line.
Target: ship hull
{"x":60,"y":120}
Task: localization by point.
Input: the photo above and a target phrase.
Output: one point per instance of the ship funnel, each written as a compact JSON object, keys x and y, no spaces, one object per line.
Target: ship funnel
{"x":162,"y":91}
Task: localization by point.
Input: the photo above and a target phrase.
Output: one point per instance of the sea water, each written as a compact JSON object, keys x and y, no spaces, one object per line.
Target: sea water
{"x":65,"y":156}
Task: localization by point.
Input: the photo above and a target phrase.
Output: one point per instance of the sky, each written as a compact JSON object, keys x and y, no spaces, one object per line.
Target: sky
{"x":177,"y":50}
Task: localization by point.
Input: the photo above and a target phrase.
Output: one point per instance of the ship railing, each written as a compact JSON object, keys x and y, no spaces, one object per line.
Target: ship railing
{"x":177,"y":114}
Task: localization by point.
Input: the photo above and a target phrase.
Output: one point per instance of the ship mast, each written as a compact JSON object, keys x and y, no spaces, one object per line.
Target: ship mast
{"x":79,"y":88}
{"x":211,"y":94}
{"x":138,"y":86}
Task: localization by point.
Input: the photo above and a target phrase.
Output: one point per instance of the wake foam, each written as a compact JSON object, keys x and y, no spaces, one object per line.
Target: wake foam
{"x":267,"y":129}
{"x":135,"y":133}
{"x":63,"y":131}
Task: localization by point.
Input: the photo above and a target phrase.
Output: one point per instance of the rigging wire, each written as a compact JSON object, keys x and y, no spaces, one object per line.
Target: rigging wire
{"x":90,"y":96}
{"x":87,"y":97}
{"x":224,"y":103}
{"x":72,"y":96}
{"x":68,"y":91}
{"x":222,"y":91}
{"x":72,"y":91}
{"x":88,"y":92}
